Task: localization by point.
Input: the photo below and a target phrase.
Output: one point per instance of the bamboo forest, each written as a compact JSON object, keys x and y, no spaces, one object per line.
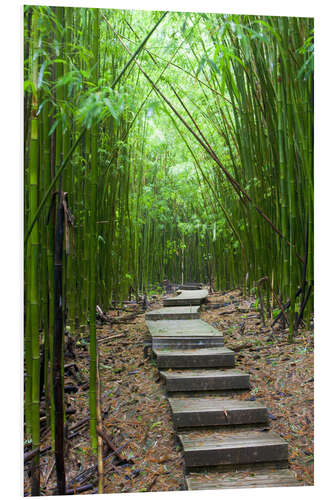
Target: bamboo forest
{"x":168,"y":161}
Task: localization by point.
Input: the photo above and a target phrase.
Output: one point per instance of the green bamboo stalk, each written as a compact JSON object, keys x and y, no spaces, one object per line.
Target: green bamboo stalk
{"x":34,"y":255}
{"x":93,"y":247}
{"x":46,"y":156}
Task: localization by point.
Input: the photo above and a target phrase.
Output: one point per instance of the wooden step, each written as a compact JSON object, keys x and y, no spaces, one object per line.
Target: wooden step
{"x":205,"y":380}
{"x":264,"y":478}
{"x":204,"y":448}
{"x":195,"y":358}
{"x":184,"y":334}
{"x":196,"y":412}
{"x":172,"y":313}
{"x":180,"y":328}
{"x":191,"y":286}
{"x":187,"y":298}
{"x":186,"y":343}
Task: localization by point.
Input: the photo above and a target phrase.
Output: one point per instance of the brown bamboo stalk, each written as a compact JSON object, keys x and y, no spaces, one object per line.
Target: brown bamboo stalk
{"x":100,"y":465}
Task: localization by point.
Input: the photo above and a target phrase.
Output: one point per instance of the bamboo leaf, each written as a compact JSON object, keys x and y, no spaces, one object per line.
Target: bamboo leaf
{"x":54,"y":125}
{"x":110,"y":107}
{"x":41,"y":74}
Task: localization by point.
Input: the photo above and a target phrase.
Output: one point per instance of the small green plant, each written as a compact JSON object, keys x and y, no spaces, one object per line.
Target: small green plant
{"x":302,"y":350}
{"x":155,"y":424}
{"x":276,"y":312}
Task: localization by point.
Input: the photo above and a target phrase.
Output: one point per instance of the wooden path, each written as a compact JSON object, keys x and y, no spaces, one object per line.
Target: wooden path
{"x":227,"y":442}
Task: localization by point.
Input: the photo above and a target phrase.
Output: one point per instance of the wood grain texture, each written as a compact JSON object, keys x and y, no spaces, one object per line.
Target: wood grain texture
{"x":186,"y":342}
{"x":196,"y":412}
{"x":187,"y":298}
{"x":242,"y":479}
{"x":232,"y":448}
{"x":195,"y":358}
{"x":181,"y":328}
{"x":205,"y":380}
{"x":174,"y":313}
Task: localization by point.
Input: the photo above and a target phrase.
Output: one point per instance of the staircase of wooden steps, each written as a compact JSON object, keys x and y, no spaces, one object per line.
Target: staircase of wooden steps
{"x":226,"y":442}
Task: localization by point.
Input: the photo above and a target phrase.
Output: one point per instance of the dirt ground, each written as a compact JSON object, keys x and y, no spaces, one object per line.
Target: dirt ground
{"x":144,"y":454}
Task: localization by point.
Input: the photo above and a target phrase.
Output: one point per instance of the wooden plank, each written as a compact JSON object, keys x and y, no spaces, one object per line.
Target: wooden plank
{"x":208,"y":449}
{"x":195,"y":358}
{"x":186,"y":342}
{"x":205,"y":380}
{"x":181,"y":328}
{"x":173,"y":313}
{"x":191,"y":286}
{"x":187,"y":298}
{"x":265,"y":478}
{"x":196,"y":412}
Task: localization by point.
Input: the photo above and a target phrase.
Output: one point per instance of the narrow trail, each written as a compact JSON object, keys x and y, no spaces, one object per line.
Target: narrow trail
{"x":227,"y":442}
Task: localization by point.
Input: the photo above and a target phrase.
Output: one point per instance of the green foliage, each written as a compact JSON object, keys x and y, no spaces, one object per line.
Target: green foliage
{"x":98,"y":106}
{"x":276,"y":312}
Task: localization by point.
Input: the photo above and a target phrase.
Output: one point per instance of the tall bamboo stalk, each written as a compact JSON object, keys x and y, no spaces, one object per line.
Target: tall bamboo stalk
{"x":93,"y":245}
{"x":34,"y":257}
{"x":58,"y":345}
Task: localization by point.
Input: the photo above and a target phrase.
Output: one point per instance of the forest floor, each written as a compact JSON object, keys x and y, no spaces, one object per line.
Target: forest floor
{"x":143,"y":453}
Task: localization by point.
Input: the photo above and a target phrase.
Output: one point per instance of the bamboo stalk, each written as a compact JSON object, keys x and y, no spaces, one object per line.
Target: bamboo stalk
{"x":34,"y":256}
{"x":100,"y":465}
{"x":92,"y":250}
{"x":58,"y":341}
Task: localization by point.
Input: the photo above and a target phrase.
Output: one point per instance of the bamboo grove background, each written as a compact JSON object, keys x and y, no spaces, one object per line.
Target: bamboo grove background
{"x":155,"y":142}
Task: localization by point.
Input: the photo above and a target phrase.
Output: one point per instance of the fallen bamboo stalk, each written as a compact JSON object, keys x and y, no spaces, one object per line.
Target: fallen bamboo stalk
{"x":49,"y":473}
{"x":149,"y":487}
{"x":285,"y":307}
{"x":111,"y":445}
{"x":227,"y":312}
{"x":125,"y":319}
{"x":79,"y":424}
{"x":32,"y":453}
{"x":101,"y":341}
{"x":85,"y":475}
{"x":79,"y":489}
{"x":238,"y":348}
{"x":261,"y":348}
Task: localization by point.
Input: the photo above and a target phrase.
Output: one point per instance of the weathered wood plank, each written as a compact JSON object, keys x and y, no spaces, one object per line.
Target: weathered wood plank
{"x":191,"y":286}
{"x":184,"y":334}
{"x":242,"y":479}
{"x":181,"y":328}
{"x":206,"y":449}
{"x":186,"y":342}
{"x":196,"y":412}
{"x":174,"y":313}
{"x":195,"y":358}
{"x":205,"y":380}
{"x":187,"y":298}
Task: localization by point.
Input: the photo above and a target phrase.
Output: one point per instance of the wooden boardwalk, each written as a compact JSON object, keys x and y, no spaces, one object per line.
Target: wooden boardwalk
{"x":227,"y":442}
{"x":187,"y":298}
